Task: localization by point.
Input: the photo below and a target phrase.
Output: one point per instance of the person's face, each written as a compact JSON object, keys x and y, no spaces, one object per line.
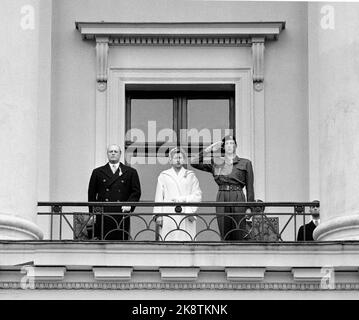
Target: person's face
{"x":177,"y":160}
{"x":113,"y":154}
{"x":314,"y":212}
{"x":230,"y":147}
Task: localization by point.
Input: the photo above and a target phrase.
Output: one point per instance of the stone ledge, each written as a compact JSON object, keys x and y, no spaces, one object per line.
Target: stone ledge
{"x":45,"y":273}
{"x":245,"y":274}
{"x":207,"y":256}
{"x":310,"y":274}
{"x":110,"y":274}
{"x":179,"y":274}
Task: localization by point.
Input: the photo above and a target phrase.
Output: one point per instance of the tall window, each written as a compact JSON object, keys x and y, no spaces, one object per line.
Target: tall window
{"x":157,"y":116}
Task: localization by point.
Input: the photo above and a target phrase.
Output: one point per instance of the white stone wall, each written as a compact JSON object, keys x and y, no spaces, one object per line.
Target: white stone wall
{"x":154,"y":271}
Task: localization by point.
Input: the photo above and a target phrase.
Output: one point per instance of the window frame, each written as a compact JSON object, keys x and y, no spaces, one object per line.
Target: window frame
{"x":180,"y":114}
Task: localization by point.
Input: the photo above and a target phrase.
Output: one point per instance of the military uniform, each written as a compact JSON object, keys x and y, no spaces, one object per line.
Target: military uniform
{"x":123,"y":185}
{"x":231,"y":179}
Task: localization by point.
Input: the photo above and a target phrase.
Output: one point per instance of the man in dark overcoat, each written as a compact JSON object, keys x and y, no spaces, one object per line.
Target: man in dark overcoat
{"x":305,"y":232}
{"x":113,"y":182}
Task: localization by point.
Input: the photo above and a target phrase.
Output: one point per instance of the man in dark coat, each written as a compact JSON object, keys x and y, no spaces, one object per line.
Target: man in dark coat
{"x":113,"y":182}
{"x":309,"y":227}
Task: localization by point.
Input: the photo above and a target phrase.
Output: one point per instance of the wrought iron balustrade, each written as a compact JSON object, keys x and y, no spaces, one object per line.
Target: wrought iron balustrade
{"x":255,"y":225}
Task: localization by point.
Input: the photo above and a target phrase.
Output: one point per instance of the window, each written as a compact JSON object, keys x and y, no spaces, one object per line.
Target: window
{"x":159,"y":117}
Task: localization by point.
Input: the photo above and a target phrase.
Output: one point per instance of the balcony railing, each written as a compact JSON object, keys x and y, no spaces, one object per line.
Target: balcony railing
{"x":66,"y":222}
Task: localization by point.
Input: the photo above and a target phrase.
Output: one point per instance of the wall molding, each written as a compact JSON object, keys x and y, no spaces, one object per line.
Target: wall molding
{"x":46,"y":273}
{"x":307,"y":274}
{"x":135,"y":31}
{"x":112,"y":285}
{"x":181,"y":41}
{"x":179,"y":274}
{"x":108,"y":274}
{"x":258,"y":63}
{"x":181,"y":34}
{"x":245,"y":274}
{"x":119,"y":77}
{"x":102,"y":48}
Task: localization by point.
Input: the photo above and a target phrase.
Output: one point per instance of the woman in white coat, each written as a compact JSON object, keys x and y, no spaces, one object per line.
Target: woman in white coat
{"x":177,"y":184}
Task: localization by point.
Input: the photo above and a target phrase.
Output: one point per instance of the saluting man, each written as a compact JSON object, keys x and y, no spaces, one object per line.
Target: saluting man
{"x":114,"y":182}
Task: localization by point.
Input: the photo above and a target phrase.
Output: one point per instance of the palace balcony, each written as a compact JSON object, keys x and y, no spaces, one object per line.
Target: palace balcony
{"x":72,"y":263}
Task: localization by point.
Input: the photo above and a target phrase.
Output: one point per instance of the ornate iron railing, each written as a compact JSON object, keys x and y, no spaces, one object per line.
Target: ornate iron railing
{"x":254,"y":225}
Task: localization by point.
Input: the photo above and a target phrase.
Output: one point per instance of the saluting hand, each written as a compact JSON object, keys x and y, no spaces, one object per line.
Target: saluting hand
{"x":214,"y":146}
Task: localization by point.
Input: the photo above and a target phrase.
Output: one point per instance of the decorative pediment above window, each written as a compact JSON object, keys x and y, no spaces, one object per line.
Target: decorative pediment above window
{"x":180,"y":33}
{"x":252,"y":34}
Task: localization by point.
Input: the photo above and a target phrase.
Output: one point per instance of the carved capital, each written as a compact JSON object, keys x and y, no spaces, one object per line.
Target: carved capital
{"x":101,"y":62}
{"x":258,"y":63}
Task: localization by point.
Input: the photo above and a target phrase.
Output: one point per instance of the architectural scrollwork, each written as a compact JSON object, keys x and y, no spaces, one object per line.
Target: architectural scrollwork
{"x":101,"y":62}
{"x":258,"y":63}
{"x":246,"y":34}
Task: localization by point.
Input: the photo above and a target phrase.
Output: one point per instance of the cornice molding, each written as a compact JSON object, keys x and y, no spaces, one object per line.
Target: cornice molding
{"x":113,"y":285}
{"x":252,"y":34}
{"x":269,"y":30}
{"x":181,"y":41}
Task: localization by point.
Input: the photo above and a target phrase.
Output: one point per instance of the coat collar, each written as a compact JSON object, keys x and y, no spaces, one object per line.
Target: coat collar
{"x":108,"y":171}
{"x":235,"y":159}
{"x":173,"y":172}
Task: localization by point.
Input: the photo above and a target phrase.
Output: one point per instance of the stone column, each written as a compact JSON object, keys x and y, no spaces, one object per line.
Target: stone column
{"x":18,"y":119}
{"x":337,"y":25}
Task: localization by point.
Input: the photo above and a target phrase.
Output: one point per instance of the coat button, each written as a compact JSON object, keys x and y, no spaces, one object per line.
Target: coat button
{"x":104,"y":180}
{"x":106,"y":199}
{"x":107,"y":189}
